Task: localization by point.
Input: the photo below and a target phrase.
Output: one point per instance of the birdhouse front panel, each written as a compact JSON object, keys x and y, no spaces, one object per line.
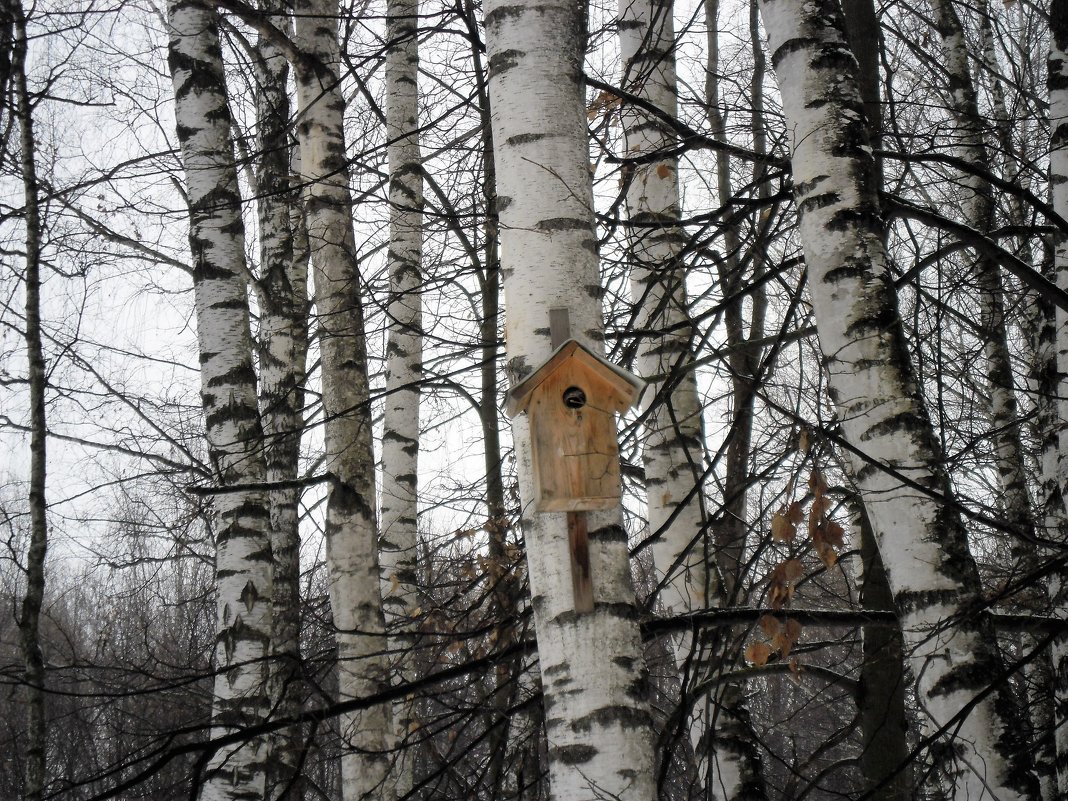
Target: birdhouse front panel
{"x":573,"y":434}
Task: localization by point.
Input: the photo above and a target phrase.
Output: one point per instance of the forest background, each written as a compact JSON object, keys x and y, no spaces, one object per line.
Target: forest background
{"x":270,"y":512}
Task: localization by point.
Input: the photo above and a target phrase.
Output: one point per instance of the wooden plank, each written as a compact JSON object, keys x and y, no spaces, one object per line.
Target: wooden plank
{"x":579,"y":547}
{"x":559,"y":326}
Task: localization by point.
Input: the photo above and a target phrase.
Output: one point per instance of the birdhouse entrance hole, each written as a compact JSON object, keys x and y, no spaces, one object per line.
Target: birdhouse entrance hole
{"x":574,"y":398}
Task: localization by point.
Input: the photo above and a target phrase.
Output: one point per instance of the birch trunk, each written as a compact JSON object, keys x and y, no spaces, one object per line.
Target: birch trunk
{"x":351,"y":529}
{"x":978,"y":208}
{"x":673,"y":452}
{"x":979,"y":211}
{"x":1057,"y":84}
{"x":228,"y":395}
{"x":881,"y":690}
{"x":283,"y":346}
{"x":29,"y":618}
{"x":593,"y":675}
{"x":1025,"y":555}
{"x":404,"y":357}
{"x":921,"y":540}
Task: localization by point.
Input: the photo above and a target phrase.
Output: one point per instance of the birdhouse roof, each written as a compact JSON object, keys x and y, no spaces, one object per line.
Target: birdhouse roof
{"x":623,"y":385}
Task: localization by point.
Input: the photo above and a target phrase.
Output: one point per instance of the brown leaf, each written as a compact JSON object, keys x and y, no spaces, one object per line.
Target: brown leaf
{"x":802,"y":441}
{"x":796,"y":513}
{"x":827,"y":555}
{"x":816,"y":482}
{"x":777,"y":595}
{"x":663,"y":171}
{"x":769,"y":624}
{"x":834,"y":534}
{"x":781,"y":643}
{"x":821,"y":504}
{"x":757,"y":653}
{"x":793,"y":629}
{"x":792,"y":569}
{"x":782,"y":530}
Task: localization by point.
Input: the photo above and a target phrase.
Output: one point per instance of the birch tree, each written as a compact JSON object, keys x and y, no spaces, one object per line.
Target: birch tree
{"x":404,"y":352}
{"x":593,"y":676}
{"x":980,"y":212}
{"x":351,"y":529}
{"x":282,"y":342}
{"x":882,"y":686}
{"x":978,"y":207}
{"x":1057,"y":85}
{"x":673,"y":452}
{"x":228,"y":394}
{"x":906,"y":493}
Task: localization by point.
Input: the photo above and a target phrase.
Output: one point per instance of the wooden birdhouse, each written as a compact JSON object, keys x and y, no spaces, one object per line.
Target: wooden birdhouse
{"x":572,"y":401}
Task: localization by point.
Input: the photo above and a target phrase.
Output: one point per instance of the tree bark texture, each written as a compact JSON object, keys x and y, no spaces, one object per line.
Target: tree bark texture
{"x":1057,"y":84}
{"x":404,"y":358}
{"x":593,"y":675}
{"x":351,"y":526}
{"x":978,"y":209}
{"x":673,"y":452}
{"x":228,"y":396}
{"x":881,"y":692}
{"x":282,"y":292}
{"x":905,"y":490}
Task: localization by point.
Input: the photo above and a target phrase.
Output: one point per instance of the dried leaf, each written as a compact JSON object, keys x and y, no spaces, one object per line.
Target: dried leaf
{"x":603,"y":102}
{"x":802,"y":441}
{"x":782,"y":644}
{"x":664,"y":171}
{"x":821,"y":504}
{"x":816,"y":482}
{"x":757,"y":653}
{"x":782,"y":530}
{"x":769,"y":624}
{"x":796,"y":513}
{"x":792,"y":569}
{"x":793,"y":630}
{"x":778,"y":594}
{"x":834,"y":534}
{"x":827,"y":555}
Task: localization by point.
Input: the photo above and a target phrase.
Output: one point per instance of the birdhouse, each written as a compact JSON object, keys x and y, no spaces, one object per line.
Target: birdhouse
{"x":572,"y":401}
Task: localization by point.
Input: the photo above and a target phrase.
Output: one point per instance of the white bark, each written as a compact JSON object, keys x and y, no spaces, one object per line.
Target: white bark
{"x":978,"y":209}
{"x":228,"y":394}
{"x":673,"y":453}
{"x":921,"y":540}
{"x":404,"y":357}
{"x":282,"y":292}
{"x":1057,"y":82}
{"x":596,"y":715}
{"x":351,"y":528}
